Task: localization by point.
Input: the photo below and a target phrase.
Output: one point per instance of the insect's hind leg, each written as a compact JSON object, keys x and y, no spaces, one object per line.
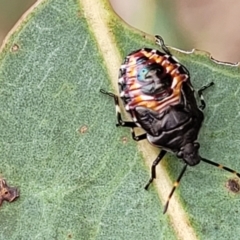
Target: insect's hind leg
{"x":122,"y":123}
{"x":200,"y":94}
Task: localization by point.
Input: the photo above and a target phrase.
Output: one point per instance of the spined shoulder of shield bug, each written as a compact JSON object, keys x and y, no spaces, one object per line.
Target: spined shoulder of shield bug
{"x":157,"y":93}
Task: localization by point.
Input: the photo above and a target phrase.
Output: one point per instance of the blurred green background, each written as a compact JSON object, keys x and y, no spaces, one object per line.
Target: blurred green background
{"x":10,"y":12}
{"x":212,"y":26}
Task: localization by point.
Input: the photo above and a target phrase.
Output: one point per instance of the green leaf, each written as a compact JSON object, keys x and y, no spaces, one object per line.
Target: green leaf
{"x":79,"y":176}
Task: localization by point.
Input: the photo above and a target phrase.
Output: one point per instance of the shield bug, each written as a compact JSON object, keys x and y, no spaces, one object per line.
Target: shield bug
{"x":157,"y":93}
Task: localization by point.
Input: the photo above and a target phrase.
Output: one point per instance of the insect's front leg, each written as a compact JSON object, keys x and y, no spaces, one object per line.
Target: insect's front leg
{"x":121,"y":122}
{"x":154,"y":165}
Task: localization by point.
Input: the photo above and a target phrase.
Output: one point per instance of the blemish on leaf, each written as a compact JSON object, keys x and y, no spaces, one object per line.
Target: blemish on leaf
{"x":124,"y":140}
{"x":7,"y":193}
{"x":83,"y":129}
{"x":15,"y":48}
{"x":233,"y":185}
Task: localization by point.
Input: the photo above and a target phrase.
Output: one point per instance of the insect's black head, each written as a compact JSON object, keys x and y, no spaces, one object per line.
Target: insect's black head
{"x":189,"y":153}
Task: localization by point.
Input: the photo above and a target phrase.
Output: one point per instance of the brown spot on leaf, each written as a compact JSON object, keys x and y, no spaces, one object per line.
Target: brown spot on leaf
{"x":83,"y":129}
{"x":7,"y":193}
{"x":15,"y":48}
{"x":233,"y":185}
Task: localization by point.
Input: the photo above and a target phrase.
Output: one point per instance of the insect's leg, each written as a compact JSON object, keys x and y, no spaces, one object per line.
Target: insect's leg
{"x":153,"y":169}
{"x":159,"y":41}
{"x":122,"y":123}
{"x":200,"y":91}
{"x":139,"y":137}
{"x":220,"y":166}
{"x":175,"y":185}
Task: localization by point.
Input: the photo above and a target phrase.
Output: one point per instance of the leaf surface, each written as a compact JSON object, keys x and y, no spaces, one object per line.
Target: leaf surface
{"x":79,"y":176}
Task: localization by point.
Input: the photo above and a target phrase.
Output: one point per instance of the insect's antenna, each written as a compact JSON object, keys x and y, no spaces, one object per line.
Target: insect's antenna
{"x":159,"y":40}
{"x":220,"y":166}
{"x":175,"y":185}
